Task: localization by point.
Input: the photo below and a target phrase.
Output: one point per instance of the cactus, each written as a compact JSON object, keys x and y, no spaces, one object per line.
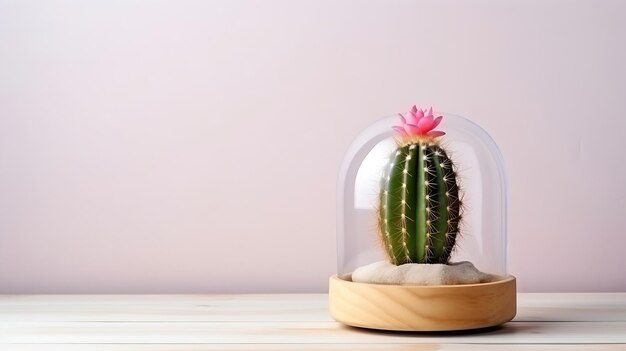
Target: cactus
{"x":420,"y":208}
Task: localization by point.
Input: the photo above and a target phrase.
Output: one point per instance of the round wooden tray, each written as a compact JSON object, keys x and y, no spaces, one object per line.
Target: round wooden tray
{"x":422,"y":308}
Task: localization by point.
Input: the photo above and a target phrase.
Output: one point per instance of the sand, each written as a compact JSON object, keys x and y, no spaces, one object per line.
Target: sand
{"x":384,"y":272}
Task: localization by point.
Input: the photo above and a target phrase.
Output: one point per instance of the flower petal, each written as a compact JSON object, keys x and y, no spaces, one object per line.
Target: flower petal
{"x":410,"y":118}
{"x":437,"y":121}
{"x":425,"y":124}
{"x":435,"y":133}
{"x":412,"y":129}
{"x":402,"y":118}
{"x":418,"y":122}
{"x":416,"y":116}
{"x":400,"y":131}
{"x":419,"y":114}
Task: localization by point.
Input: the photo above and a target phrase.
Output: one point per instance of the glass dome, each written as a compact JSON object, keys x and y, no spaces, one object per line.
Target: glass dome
{"x":482,"y":177}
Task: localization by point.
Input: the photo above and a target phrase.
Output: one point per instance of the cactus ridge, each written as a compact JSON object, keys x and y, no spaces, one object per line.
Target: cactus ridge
{"x":420,"y":209}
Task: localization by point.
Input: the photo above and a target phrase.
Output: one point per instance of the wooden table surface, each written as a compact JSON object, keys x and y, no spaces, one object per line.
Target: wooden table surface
{"x":287,"y":322}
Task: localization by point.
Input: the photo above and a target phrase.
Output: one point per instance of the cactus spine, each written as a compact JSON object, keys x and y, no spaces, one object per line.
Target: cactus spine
{"x":420,"y":209}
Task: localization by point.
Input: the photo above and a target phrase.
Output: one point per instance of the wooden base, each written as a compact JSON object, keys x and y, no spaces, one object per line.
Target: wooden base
{"x":422,"y":308}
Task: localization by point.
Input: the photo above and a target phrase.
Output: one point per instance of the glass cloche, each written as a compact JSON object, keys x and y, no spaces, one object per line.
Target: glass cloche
{"x":422,"y":227}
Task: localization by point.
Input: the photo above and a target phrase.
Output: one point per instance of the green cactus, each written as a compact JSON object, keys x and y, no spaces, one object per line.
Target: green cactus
{"x":420,"y":208}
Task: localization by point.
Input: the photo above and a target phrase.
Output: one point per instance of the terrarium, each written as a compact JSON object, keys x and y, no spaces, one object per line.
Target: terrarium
{"x":422,"y":227}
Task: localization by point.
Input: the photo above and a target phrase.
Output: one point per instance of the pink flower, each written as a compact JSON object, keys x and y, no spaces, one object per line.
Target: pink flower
{"x":418,"y":124}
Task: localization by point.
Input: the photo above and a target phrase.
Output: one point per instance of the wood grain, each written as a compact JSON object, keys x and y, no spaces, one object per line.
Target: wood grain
{"x":287,"y":322}
{"x":300,"y":333}
{"x":422,"y":308}
{"x":555,"y":307}
{"x":311,"y":347}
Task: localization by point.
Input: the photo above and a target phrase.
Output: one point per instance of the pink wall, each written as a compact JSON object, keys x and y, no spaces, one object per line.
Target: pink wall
{"x":193,"y":146}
